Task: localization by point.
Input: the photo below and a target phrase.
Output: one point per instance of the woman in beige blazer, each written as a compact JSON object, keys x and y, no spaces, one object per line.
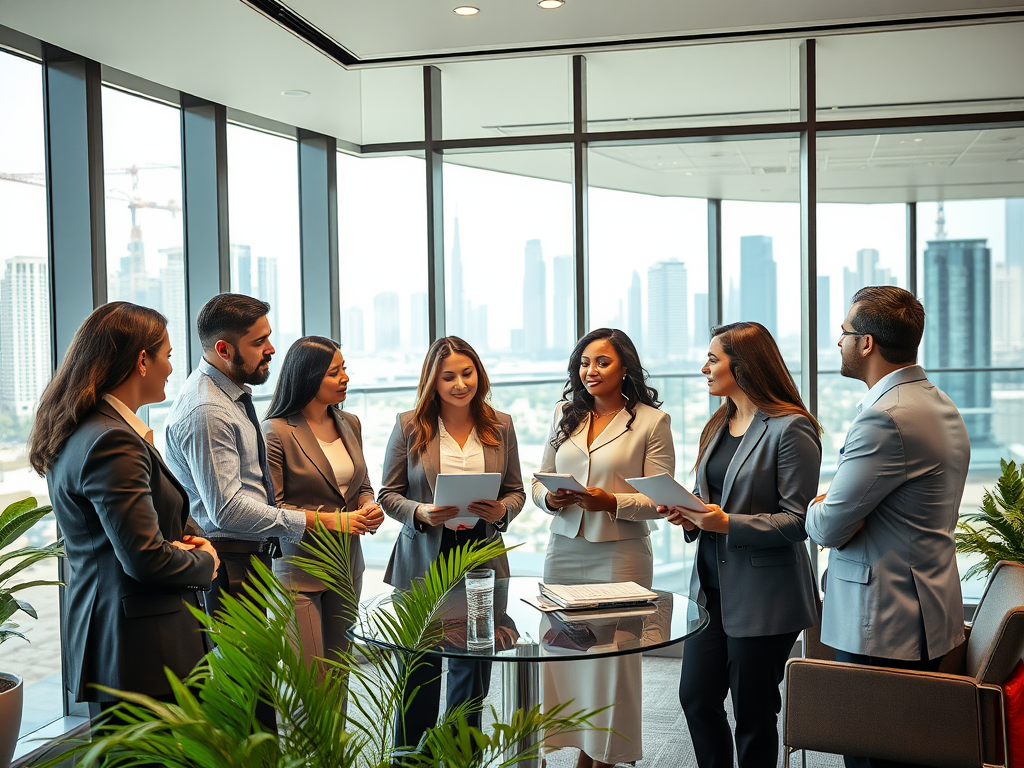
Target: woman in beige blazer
{"x":607,"y":428}
{"x":315,"y":452}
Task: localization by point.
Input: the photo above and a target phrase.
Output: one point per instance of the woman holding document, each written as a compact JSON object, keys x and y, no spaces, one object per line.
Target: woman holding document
{"x":757,"y":470}
{"x":451,"y":430}
{"x":608,"y":427}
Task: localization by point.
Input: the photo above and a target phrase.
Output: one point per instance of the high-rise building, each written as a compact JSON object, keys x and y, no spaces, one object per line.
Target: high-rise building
{"x":172,"y":305}
{"x":701,"y":320}
{"x":564,"y":303}
{"x":535,"y":299}
{"x":386,"y":334}
{"x":257,"y":279}
{"x":353,"y":337}
{"x":825,"y":331}
{"x":635,"y":312}
{"x":1007,"y":315}
{"x":667,"y":310}
{"x":758,"y":282}
{"x":867,"y":273}
{"x":477,"y":317}
{"x":24,"y":333}
{"x":958,"y":333}
{"x":731,"y":304}
{"x":455,"y":319}
{"x":419,"y":321}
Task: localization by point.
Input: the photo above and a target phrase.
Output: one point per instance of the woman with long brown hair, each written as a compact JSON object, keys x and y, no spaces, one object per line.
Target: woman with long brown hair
{"x":757,"y":470}
{"x":131,"y":569}
{"x":451,"y":429}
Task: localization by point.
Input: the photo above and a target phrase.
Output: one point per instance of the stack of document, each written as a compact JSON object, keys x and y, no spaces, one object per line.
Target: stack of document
{"x":579,"y":596}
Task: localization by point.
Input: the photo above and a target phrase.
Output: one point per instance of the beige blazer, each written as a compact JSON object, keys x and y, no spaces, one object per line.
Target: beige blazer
{"x":642,"y":449}
{"x":303,"y":479}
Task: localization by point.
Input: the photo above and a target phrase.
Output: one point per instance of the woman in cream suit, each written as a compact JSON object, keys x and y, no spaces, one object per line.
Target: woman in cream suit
{"x":608,"y":427}
{"x":315,"y":452}
{"x":452,"y":429}
{"x":757,"y":470}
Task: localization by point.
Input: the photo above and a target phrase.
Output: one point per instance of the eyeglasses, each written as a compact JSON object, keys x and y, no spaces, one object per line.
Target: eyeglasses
{"x":845,"y":332}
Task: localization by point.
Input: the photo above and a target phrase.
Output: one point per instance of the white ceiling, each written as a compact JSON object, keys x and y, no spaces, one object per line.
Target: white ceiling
{"x":224,"y":51}
{"x":424,"y":28}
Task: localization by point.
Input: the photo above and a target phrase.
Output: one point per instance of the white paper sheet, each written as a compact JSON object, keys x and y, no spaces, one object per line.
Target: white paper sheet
{"x":461,"y":490}
{"x":555,"y":483}
{"x":664,"y":490}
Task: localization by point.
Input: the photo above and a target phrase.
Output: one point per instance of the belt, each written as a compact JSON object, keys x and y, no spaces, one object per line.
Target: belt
{"x":243,"y":547}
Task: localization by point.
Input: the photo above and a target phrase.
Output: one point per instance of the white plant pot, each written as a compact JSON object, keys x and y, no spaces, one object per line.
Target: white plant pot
{"x":10,"y":717}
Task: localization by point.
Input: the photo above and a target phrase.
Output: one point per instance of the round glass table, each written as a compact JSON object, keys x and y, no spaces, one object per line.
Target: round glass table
{"x":525,"y":637}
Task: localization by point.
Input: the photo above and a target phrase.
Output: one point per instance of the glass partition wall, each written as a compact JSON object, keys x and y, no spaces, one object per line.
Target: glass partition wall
{"x":612,"y":189}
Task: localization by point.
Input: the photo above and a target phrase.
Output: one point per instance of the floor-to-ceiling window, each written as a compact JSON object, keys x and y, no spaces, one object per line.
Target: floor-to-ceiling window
{"x":25,"y":368}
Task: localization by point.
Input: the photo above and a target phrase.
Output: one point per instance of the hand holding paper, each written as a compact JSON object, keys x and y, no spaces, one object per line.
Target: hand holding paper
{"x":462,"y":490}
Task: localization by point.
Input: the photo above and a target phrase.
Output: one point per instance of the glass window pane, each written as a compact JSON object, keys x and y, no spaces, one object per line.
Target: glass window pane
{"x":739,"y":83}
{"x":142,"y":176}
{"x":25,"y":369}
{"x":506,"y":97}
{"x":263,"y":216}
{"x":940,"y":71}
{"x":510,"y":289}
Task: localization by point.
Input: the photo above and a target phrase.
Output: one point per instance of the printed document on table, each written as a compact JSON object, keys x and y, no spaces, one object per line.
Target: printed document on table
{"x":597,"y":595}
{"x":665,"y":491}
{"x":461,"y":490}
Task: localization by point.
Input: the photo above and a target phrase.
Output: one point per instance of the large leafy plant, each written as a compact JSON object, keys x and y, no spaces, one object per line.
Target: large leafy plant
{"x":212,"y":720}
{"x":14,"y":521}
{"x":996,"y":532}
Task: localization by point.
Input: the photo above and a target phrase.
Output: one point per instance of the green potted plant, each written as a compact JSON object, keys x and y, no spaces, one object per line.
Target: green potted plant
{"x":15,"y":521}
{"x":212,"y":720}
{"x":996,"y":531}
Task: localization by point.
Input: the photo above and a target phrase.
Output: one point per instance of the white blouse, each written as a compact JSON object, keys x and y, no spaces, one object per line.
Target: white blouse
{"x":340,"y":462}
{"x":456,"y":459}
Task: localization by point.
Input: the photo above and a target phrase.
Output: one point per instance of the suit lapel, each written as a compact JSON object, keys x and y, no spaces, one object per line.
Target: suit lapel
{"x":432,"y":461}
{"x":309,"y":445}
{"x":750,"y":439}
{"x":702,"y":470}
{"x":615,"y":430}
{"x":492,"y":458}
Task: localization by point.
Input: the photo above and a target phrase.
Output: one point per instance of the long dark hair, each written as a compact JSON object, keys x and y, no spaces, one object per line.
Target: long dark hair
{"x":101,"y":356}
{"x":428,"y":402}
{"x":757,"y":365}
{"x":579,"y":402}
{"x":302,"y":373}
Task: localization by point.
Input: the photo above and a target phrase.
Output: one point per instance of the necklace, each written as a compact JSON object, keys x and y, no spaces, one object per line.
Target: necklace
{"x":605,"y":415}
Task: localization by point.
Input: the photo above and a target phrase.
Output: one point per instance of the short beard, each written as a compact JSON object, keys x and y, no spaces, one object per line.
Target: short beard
{"x":850,"y":371}
{"x":254,"y":377}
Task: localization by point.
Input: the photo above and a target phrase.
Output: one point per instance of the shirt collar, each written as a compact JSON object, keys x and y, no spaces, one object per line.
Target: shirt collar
{"x":226,"y":385}
{"x":880,"y":388}
{"x":129,"y":416}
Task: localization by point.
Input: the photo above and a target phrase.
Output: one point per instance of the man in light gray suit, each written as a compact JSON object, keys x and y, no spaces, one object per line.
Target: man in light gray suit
{"x":892,"y":596}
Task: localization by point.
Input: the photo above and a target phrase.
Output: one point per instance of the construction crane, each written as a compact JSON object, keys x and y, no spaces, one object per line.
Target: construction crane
{"x":38,"y":179}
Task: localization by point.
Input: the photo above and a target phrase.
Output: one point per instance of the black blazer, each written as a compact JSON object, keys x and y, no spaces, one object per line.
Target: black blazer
{"x":118,"y":508}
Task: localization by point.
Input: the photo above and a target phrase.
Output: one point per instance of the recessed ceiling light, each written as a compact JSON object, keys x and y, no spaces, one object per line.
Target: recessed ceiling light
{"x":466,"y":10}
{"x":295,"y":94}
{"x":549,"y":4}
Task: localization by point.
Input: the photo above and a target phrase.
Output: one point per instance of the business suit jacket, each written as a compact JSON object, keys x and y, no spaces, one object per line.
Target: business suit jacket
{"x":409,"y":481}
{"x":764,"y":570}
{"x":893,"y":588}
{"x":119,"y":507}
{"x":304,"y":479}
{"x":644,"y":448}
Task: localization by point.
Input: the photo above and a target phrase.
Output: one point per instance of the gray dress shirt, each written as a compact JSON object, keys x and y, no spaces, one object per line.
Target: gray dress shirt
{"x":213,"y":449}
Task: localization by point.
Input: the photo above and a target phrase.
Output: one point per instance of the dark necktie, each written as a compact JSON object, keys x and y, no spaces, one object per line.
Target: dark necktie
{"x":268,"y":482}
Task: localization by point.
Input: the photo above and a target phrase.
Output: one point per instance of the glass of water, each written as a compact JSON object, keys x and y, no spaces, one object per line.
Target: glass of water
{"x":480,"y":609}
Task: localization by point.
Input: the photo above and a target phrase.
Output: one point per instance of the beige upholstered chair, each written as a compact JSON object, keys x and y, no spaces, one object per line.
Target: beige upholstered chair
{"x":952,"y":718}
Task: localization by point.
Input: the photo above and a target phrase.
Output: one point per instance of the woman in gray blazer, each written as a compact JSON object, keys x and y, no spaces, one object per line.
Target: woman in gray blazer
{"x":757,"y":470}
{"x":315,"y":452}
{"x":451,"y":429}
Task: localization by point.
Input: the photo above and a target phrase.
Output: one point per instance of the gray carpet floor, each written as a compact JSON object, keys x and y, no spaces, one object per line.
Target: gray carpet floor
{"x":666,"y":739}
